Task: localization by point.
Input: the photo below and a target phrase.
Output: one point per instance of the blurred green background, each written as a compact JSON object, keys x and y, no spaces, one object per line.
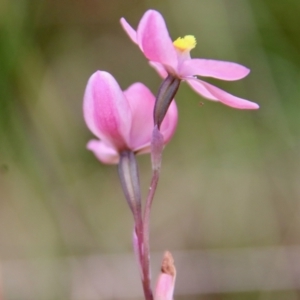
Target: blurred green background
{"x":230,"y":178}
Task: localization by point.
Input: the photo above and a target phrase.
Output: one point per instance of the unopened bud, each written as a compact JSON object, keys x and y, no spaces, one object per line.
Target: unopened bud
{"x":166,"y":93}
{"x":166,"y":280}
{"x":129,"y":177}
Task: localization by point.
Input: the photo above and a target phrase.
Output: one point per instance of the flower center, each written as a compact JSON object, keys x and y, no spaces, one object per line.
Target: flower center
{"x":186,"y":43}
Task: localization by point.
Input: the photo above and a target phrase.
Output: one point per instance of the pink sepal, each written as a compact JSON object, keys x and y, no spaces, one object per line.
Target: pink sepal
{"x":154,"y":40}
{"x":106,"y":110}
{"x":223,"y":70}
{"x":129,"y":30}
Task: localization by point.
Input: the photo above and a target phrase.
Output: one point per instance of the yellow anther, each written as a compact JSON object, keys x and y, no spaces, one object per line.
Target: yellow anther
{"x":186,"y":43}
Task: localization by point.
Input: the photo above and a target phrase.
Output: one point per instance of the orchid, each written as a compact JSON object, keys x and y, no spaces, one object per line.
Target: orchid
{"x":173,"y":59}
{"x":133,"y":122}
{"x":121,"y":120}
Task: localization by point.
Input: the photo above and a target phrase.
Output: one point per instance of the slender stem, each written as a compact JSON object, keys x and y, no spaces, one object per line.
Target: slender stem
{"x":157,"y":145}
{"x":152,"y":189}
{"x":144,"y":263}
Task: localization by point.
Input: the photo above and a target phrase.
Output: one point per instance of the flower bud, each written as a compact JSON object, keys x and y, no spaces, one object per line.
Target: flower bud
{"x":166,"y":93}
{"x":166,"y":280}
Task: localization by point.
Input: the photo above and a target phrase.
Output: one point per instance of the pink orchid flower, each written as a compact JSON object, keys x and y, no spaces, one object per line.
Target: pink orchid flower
{"x":121,"y":120}
{"x":173,"y":58}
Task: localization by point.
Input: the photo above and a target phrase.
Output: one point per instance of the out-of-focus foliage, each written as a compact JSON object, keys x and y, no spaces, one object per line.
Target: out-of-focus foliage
{"x":231,"y":177}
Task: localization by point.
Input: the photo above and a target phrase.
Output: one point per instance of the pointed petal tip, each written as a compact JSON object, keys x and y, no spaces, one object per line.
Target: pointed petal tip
{"x":247,"y":70}
{"x":254,"y":106}
{"x":99,"y":75}
{"x":243,"y":104}
{"x":129,"y":30}
{"x":240,"y":103}
{"x":152,"y":12}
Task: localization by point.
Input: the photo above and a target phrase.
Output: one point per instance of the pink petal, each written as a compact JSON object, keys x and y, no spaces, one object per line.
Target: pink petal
{"x":213,"y":68}
{"x":153,"y":37}
{"x":227,"y":98}
{"x":160,"y":69}
{"x":129,"y":30}
{"x":141,"y":102}
{"x":106,"y":110}
{"x":103,"y":152}
{"x":169,"y":123}
{"x":88,"y":108}
{"x":199,"y":88}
